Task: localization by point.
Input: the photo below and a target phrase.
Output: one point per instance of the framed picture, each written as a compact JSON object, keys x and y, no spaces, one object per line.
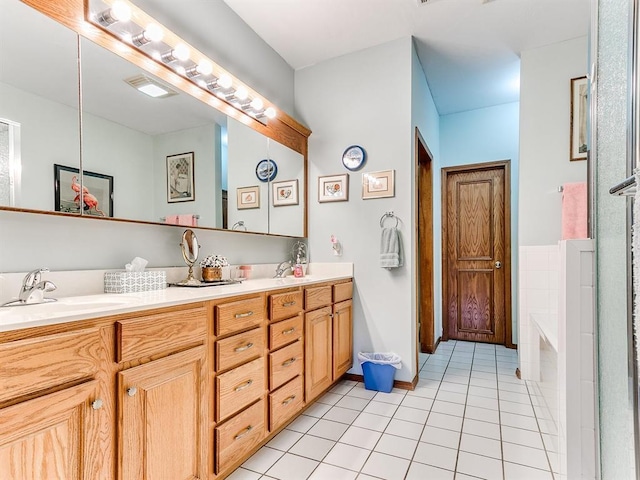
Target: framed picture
{"x":285,"y":193}
{"x":333,"y":188}
{"x":180,"y":178}
{"x":97,"y":196}
{"x":378,"y":184}
{"x":248,"y":197}
{"x":579,"y":91}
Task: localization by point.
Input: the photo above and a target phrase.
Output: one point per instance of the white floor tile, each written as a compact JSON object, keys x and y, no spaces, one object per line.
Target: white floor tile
{"x":462,"y":372}
{"x":354,"y":403}
{"x":396,"y":446}
{"x":453,"y":387}
{"x":483,"y":392}
{"x":482,"y":414}
{"x":292,"y":467}
{"x":482,"y":402}
{"x":450,"y":378}
{"x":242,"y":474}
{"x":379,"y":408}
{"x":302,"y":424}
{"x":284,"y":440}
{"x":448,"y":422}
{"x":550,"y":442}
{"x":361,"y":437}
{"x":518,"y":421}
{"x":421,"y":403}
{"x":485,"y":375}
{"x":341,"y":389}
{"x":531,"y":457}
{"x":330,"y":398}
{"x":324,"y":471}
{"x":510,"y":379}
{"x":317,"y":410}
{"x":342,"y":415}
{"x":520,"y":472}
{"x":482,"y":382}
{"x":362,"y":393}
{"x":402,"y":428}
{"x":479,"y":466}
{"x":512,"y":387}
{"x":451,"y":397}
{"x":364,"y":476}
{"x":515,"y":397}
{"x":347,"y":456}
{"x":462,"y":364}
{"x":386,"y":466}
{"x":328,"y":430}
{"x":484,"y":368}
{"x":449,"y":408}
{"x":415,"y":415}
{"x":482,"y":429}
{"x":517,"y":408}
{"x":420,"y":471}
{"x":481,"y":446}
{"x":262,"y":460}
{"x":440,"y":436}
{"x":423,"y":392}
{"x":393,"y":398}
{"x":435,"y":367}
{"x":521,"y":437}
{"x":371,"y":421}
{"x":426,"y":374}
{"x":312,"y":447}
{"x":436,"y":456}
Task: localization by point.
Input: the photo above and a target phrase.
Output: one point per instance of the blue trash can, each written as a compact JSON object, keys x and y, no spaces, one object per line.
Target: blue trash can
{"x":379,"y":370}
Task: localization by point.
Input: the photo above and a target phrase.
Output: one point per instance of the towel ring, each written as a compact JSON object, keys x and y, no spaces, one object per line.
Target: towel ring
{"x":390,"y":215}
{"x":238,"y":225}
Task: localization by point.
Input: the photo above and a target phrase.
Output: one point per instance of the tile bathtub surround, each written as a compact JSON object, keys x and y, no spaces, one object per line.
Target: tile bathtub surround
{"x":468,"y":418}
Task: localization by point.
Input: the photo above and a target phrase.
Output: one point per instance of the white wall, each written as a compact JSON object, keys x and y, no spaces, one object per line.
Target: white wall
{"x":365,"y":98}
{"x":545,"y":99}
{"x":478,"y":136}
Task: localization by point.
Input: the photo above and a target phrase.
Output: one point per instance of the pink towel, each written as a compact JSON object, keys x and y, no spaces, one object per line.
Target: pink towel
{"x":574,"y":210}
{"x":187,"y":220}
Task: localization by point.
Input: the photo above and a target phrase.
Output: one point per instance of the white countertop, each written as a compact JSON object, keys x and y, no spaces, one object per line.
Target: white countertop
{"x":85,"y":307}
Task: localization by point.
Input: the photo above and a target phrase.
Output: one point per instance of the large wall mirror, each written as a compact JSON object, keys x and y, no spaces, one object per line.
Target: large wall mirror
{"x":169,"y":159}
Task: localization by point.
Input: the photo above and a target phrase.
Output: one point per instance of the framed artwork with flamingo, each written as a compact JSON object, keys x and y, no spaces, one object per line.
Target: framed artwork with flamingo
{"x":97,"y":192}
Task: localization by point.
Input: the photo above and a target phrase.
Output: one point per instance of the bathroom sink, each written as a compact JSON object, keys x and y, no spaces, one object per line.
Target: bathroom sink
{"x":97,"y":301}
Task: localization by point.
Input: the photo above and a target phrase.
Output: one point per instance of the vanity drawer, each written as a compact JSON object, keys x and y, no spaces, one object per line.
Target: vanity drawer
{"x":240,"y":315}
{"x":233,"y":351}
{"x":36,"y":364}
{"x":236,"y":437}
{"x":316,"y":297}
{"x":284,"y":364}
{"x":285,"y":402}
{"x":284,"y":332}
{"x":157,"y":333}
{"x":239,"y":387}
{"x":342,"y":291}
{"x":284,"y":305}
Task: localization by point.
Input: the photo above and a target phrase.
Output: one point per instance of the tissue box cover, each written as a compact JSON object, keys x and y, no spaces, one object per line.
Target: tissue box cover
{"x":127,"y":282}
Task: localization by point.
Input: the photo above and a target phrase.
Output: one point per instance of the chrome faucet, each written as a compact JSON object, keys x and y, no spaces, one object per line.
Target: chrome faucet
{"x":33,"y":289}
{"x":282,"y":267}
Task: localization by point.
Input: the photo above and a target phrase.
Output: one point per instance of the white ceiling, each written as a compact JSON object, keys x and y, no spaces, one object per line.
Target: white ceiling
{"x":469,"y":49}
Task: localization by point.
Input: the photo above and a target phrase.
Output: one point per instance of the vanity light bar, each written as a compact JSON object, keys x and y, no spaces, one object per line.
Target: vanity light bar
{"x":124,"y":20}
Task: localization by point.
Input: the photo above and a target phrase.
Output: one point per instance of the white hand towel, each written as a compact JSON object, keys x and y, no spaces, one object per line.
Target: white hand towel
{"x":390,"y":248}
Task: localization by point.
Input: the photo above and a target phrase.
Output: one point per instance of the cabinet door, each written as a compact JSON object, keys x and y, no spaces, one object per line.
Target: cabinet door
{"x":342,"y":338}
{"x":45,"y":437}
{"x":162,"y":421}
{"x":318,"y":358}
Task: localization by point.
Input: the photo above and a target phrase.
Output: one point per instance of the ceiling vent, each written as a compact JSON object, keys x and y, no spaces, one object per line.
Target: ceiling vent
{"x":150,"y":86}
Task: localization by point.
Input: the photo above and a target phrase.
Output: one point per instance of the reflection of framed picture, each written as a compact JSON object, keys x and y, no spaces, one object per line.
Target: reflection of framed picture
{"x":285,"y":193}
{"x":97,"y":197}
{"x":579,"y":91}
{"x":180,"y":178}
{"x":378,"y":184}
{"x":333,"y":188}
{"x":248,"y":197}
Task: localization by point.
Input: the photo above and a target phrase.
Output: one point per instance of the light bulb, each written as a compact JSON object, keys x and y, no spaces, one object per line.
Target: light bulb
{"x":153,"y":32}
{"x":181,"y":52}
{"x":225,"y":81}
{"x":120,"y":12}
{"x":205,"y":68}
{"x":270,"y":112}
{"x":181,"y":70}
{"x":257,"y":104}
{"x":241,"y":93}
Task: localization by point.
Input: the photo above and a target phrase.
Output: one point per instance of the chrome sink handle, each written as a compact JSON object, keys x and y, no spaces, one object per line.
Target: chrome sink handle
{"x":33,"y":277}
{"x":33,"y":288}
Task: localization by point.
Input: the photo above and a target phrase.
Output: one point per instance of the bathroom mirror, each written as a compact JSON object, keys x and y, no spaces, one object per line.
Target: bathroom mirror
{"x":130,"y":142}
{"x":190,"y":250}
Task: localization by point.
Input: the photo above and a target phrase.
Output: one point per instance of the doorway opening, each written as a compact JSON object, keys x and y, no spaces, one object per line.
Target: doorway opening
{"x":424,"y":209}
{"x":476,"y":253}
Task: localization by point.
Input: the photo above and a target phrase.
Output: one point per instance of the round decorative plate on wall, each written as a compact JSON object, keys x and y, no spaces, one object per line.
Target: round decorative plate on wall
{"x":354,"y":157}
{"x":266,"y":170}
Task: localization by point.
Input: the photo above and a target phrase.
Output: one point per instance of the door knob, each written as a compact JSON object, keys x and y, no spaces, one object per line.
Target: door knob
{"x":96,"y":404}
{"x":498,"y":264}
{"x":131,"y":391}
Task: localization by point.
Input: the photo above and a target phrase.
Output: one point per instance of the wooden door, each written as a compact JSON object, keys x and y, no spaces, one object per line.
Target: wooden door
{"x":342,"y":338}
{"x":46,"y":437}
{"x":476,"y":253}
{"x":162,"y":421}
{"x":318,"y":359}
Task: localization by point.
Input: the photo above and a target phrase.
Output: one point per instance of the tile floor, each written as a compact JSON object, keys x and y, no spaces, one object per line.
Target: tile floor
{"x":469,"y":417}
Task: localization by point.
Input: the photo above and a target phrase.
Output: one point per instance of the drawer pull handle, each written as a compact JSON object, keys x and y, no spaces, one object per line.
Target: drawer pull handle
{"x":243,"y":315}
{"x":290,"y":331}
{"x":131,"y":391}
{"x":288,"y":362}
{"x":242,"y":349}
{"x":289,"y":304}
{"x":96,"y":404}
{"x":288,"y":400}
{"x":243,"y":432}
{"x":244,"y":385}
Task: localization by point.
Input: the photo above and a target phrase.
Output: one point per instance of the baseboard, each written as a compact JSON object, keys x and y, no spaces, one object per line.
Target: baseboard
{"x":396,"y":383}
